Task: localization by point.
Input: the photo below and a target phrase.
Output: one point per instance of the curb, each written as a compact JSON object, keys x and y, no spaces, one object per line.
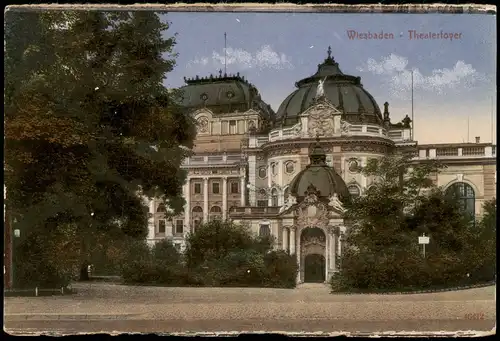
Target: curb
{"x":415,"y":292}
{"x":68,"y":317}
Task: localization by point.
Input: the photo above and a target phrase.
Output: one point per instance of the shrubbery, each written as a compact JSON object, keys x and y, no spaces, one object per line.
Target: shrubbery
{"x":217,"y":254}
{"x":382,"y":251}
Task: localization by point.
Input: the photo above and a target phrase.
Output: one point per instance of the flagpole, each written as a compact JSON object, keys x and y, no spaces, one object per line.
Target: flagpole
{"x":468,"y":129}
{"x":492,"y":119}
{"x":225,"y":53}
{"x":412,"y":116}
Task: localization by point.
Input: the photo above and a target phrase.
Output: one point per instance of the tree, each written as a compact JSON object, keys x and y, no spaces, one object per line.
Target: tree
{"x":381,"y":249}
{"x":217,"y":239}
{"x":89,"y":127}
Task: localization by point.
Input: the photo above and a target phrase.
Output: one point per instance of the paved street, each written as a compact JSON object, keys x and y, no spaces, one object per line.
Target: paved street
{"x":101,"y":307}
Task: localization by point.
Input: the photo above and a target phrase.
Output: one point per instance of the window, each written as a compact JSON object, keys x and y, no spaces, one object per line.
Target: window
{"x":197,"y":209}
{"x":232,"y":127}
{"x":262,"y":172}
{"x":262,"y":192}
{"x":354,"y":190}
{"x":235,"y":188}
{"x":264,"y":230}
{"x":197,"y":188}
{"x":289,"y":167}
{"x":215,"y":213}
{"x":161,"y":208}
{"x":215,"y":188}
{"x":353,"y":166}
{"x":274,"y":197}
{"x":273,"y":168}
{"x":179,"y":226}
{"x":262,"y":203}
{"x":197,"y":223}
{"x":161,"y":226}
{"x":465,"y":194}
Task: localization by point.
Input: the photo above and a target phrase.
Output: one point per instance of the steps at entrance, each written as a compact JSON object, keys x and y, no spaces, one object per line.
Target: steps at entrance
{"x":314,"y":286}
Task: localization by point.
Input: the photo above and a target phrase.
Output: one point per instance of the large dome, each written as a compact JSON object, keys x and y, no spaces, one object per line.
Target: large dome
{"x":321,"y":177}
{"x":345,"y":92}
{"x":222,"y":94}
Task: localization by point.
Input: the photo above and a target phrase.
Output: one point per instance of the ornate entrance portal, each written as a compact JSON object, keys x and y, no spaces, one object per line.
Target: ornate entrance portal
{"x":313,"y":261}
{"x":314,"y":268}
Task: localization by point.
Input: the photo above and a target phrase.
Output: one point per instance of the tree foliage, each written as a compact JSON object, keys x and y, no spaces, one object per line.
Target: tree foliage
{"x":88,"y":123}
{"x":218,"y":254}
{"x":382,"y":250}
{"x":217,"y":239}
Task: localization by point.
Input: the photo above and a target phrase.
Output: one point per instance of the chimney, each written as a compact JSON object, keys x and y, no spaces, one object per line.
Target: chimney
{"x":478,"y":139}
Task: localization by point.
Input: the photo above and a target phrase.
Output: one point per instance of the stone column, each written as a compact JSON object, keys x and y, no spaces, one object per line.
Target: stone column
{"x":243,"y":189}
{"x":339,"y":244}
{"x":224,"y":198}
{"x":285,"y":236}
{"x":205,"y":200}
{"x":187,"y":206}
{"x":331,"y":250}
{"x":292,"y":240}
{"x":299,"y":260}
{"x":327,"y":255}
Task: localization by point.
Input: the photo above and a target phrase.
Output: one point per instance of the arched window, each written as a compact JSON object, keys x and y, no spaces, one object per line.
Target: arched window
{"x":274,"y":197}
{"x":161,"y":208}
{"x":289,"y":167}
{"x":286,"y":195}
{"x":215,"y":213}
{"x":354,"y":190}
{"x":264,"y":230}
{"x":465,"y":194}
{"x":197,"y":209}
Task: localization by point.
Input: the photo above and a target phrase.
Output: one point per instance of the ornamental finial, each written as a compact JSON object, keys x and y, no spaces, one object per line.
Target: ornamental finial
{"x":329,"y":51}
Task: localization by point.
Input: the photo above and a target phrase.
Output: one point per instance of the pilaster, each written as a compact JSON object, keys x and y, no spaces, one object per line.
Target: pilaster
{"x":205,"y":199}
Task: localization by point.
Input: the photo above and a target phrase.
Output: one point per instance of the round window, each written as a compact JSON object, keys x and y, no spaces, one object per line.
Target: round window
{"x":262,"y":172}
{"x":354,"y":191}
{"x":204,"y":97}
{"x":353,"y":166}
{"x":289,"y":167}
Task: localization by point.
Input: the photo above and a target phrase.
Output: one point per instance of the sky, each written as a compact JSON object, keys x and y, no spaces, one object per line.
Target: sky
{"x":454,"y":74}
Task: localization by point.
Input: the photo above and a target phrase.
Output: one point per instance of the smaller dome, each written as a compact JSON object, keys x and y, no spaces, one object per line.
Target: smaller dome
{"x":318,"y":175}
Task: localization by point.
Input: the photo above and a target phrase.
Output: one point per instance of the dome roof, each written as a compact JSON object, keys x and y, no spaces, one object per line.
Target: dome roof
{"x":345,"y":92}
{"x":222,"y":94}
{"x":320,"y":176}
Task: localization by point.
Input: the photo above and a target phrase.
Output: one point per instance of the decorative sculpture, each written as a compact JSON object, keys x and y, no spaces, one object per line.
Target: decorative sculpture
{"x":320,"y":91}
{"x":336,"y":203}
{"x":289,"y":203}
{"x":345,"y":127}
{"x":297,"y":129}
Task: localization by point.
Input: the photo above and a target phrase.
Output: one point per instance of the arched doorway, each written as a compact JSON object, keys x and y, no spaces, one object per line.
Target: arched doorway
{"x":313,"y":259}
{"x":314,"y":268}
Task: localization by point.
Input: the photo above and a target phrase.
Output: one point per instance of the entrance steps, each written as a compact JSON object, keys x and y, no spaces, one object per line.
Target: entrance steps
{"x":313,"y":286}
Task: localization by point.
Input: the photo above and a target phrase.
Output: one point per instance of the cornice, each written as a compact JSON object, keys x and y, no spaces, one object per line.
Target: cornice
{"x":339,"y":141}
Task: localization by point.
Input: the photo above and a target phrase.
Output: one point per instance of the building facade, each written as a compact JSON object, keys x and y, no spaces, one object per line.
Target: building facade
{"x":287,"y":173}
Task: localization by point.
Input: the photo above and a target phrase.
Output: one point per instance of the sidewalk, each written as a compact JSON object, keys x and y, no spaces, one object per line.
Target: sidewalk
{"x":67,"y":317}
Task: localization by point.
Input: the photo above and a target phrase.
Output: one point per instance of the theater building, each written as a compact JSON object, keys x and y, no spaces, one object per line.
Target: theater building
{"x":288,"y":173}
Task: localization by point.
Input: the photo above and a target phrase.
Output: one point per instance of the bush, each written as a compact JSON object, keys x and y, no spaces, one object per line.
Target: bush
{"x":157,"y":265}
{"x":281,"y":269}
{"x":38,"y":263}
{"x":218,"y":254}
